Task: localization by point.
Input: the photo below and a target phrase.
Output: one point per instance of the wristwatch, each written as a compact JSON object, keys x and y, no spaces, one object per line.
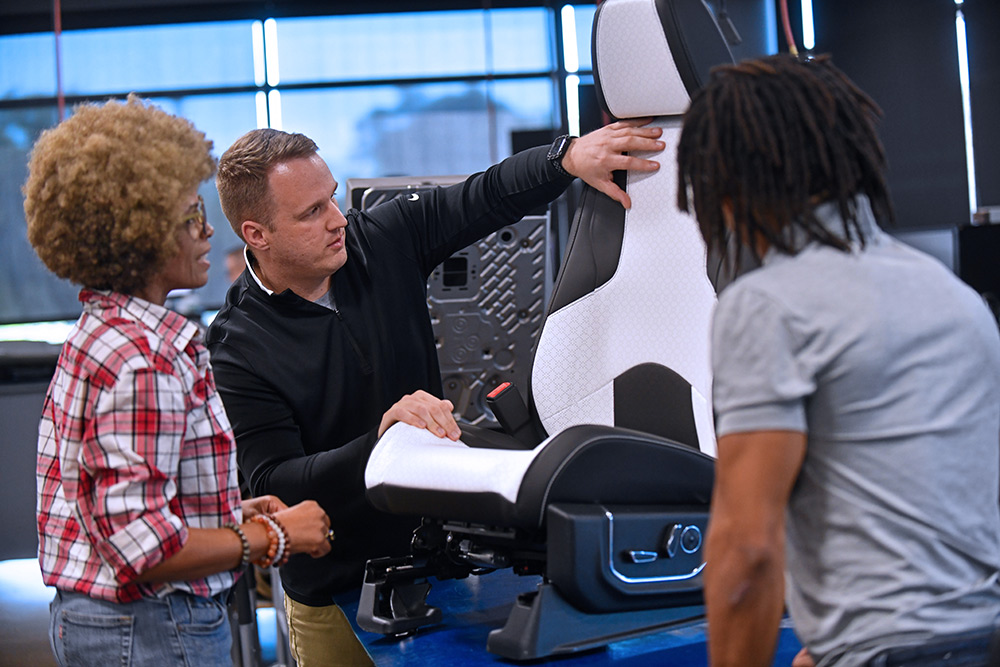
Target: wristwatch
{"x":558,"y":150}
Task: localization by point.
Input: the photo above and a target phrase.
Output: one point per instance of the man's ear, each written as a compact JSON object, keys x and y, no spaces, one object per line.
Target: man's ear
{"x":255,"y":234}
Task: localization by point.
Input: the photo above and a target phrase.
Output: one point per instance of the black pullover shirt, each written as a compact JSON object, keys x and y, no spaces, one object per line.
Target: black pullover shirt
{"x":306,"y":387}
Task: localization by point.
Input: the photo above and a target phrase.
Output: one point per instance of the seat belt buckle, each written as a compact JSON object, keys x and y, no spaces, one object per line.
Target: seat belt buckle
{"x":512,"y":414}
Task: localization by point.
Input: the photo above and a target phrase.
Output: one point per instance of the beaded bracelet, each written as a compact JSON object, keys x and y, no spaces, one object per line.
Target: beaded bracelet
{"x":282,"y":539}
{"x":285,"y":546}
{"x":244,"y":543}
{"x":273,"y":538}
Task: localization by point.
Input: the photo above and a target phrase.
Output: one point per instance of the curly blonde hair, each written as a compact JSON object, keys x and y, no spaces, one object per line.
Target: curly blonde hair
{"x":104,"y":192}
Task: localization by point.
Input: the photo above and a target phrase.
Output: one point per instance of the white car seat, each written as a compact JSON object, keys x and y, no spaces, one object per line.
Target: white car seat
{"x":603,"y":481}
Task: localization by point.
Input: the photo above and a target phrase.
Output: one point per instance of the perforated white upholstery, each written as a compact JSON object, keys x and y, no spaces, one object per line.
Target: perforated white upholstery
{"x":638,"y":75}
{"x":656,"y":308}
{"x":415,"y":458}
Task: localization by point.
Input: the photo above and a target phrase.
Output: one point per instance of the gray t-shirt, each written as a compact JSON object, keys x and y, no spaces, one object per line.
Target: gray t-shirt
{"x":327,"y":300}
{"x":891,"y":366}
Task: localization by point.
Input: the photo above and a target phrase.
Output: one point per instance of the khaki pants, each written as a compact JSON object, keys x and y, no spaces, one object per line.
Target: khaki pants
{"x":323,"y":637}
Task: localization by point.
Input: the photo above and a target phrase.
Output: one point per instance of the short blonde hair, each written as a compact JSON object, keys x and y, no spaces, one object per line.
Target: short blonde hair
{"x":104,"y":191}
{"x":244,"y":168}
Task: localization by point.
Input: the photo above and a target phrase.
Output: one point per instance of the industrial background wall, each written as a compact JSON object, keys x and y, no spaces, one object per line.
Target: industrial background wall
{"x":25,"y":369}
{"x":448,"y":121}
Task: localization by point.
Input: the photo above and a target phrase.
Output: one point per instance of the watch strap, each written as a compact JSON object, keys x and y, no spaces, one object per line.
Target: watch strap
{"x":558,"y":150}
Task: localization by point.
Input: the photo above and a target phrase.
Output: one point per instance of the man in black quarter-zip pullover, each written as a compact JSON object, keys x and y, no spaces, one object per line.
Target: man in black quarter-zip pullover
{"x":325,"y":341}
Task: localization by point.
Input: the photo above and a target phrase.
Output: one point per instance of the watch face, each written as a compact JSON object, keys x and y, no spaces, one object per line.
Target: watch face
{"x":559,"y":146}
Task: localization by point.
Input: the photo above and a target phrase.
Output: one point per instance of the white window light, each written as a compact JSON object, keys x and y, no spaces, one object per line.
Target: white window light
{"x":573,"y":104}
{"x":571,"y":57}
{"x":271,"y":51}
{"x":274,"y":109}
{"x":963,"y":78}
{"x":808,"y":30}
{"x":261,"y":102}
{"x":257,"y":36}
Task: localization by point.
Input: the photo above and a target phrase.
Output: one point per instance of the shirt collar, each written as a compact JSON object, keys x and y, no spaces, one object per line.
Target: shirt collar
{"x":171,"y":326}
{"x":250,"y":259}
{"x":828,"y":215}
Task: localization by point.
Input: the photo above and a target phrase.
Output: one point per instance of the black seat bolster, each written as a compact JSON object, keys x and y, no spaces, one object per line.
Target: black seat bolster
{"x":593,"y":250}
{"x":484,"y":507}
{"x":606,"y":464}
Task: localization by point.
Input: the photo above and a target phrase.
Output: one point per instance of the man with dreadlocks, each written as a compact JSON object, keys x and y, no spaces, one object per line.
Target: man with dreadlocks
{"x":856,"y":386}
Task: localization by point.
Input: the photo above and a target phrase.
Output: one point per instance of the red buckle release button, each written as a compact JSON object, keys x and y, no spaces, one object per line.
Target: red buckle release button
{"x":499,"y":390}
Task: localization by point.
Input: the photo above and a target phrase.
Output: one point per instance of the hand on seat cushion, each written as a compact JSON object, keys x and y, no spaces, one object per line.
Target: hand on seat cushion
{"x":423,"y":410}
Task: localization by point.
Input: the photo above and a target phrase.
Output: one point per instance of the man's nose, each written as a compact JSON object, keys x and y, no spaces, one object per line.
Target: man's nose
{"x":336,"y":219}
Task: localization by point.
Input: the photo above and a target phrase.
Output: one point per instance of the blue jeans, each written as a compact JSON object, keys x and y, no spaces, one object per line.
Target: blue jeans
{"x":180,"y":629}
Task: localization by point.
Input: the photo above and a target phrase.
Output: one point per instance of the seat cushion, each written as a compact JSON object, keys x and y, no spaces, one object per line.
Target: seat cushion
{"x":412,"y":471}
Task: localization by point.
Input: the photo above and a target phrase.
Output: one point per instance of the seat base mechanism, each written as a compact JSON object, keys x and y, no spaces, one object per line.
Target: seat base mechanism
{"x":543,"y":623}
{"x":393,"y":597}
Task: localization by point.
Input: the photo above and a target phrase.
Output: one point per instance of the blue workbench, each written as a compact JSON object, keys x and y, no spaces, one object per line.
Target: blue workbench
{"x":474,"y":606}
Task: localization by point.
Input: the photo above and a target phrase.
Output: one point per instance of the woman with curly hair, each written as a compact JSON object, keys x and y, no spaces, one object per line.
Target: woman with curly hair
{"x":141,"y":528}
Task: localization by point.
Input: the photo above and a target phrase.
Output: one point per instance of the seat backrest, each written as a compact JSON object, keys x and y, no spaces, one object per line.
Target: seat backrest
{"x":626,"y":339}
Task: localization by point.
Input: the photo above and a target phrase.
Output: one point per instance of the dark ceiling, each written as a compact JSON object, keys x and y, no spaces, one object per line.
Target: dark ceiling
{"x":20,"y":16}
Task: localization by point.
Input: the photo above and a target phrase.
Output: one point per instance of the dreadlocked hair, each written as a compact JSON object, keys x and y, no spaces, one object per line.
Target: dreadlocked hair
{"x":773,"y":138}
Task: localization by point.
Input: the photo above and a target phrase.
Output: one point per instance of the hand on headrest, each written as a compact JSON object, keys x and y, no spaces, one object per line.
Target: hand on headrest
{"x":594,"y":156}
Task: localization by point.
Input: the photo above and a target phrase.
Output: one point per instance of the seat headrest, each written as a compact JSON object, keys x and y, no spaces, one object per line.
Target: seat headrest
{"x":651,"y":55}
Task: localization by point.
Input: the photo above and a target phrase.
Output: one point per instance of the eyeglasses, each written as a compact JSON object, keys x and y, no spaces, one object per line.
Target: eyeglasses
{"x":197,"y":222}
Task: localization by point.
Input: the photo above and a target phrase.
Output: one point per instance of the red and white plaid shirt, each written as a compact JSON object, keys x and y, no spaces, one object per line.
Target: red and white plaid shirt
{"x":134,"y":448}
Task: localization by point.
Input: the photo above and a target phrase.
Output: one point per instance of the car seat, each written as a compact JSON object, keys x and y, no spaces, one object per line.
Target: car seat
{"x":600,"y":483}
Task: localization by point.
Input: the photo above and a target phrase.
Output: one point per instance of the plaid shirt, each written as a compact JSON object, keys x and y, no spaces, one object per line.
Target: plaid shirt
{"x":134,"y":448}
